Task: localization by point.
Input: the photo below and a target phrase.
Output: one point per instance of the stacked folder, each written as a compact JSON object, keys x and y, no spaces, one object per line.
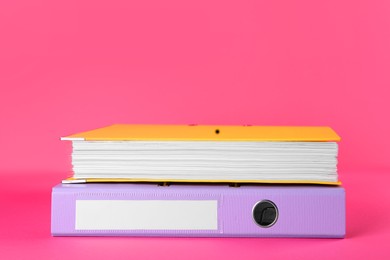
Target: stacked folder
{"x":227,"y":181}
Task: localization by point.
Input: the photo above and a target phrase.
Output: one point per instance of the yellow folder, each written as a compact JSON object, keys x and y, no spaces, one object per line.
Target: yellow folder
{"x":129,"y":132}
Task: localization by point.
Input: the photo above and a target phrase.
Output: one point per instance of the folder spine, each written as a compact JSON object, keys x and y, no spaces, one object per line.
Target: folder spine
{"x":220,"y":211}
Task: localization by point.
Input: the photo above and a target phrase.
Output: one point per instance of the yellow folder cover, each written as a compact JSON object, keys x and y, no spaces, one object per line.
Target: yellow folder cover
{"x":128,"y":132}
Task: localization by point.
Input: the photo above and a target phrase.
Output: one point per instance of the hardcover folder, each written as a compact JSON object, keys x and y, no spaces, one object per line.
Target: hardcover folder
{"x":181,"y":210}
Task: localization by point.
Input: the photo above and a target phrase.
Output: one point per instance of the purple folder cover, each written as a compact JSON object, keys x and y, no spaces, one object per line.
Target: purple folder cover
{"x":198,"y":210}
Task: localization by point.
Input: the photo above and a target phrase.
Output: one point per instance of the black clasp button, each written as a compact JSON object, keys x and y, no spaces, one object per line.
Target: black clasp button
{"x":265,"y":213}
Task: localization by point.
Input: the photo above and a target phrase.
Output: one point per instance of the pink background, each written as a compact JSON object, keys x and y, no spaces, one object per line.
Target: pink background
{"x":70,"y":66}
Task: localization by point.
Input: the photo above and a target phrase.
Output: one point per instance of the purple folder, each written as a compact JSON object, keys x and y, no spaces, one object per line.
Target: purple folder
{"x":198,"y":210}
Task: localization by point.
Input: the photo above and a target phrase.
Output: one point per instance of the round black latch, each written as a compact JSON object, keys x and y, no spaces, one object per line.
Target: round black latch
{"x":265,"y":213}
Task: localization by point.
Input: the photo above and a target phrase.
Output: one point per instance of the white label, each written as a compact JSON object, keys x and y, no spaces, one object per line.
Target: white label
{"x":146,"y":215}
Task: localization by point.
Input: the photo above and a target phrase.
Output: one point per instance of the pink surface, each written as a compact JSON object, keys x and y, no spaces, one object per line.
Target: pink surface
{"x":71,"y":66}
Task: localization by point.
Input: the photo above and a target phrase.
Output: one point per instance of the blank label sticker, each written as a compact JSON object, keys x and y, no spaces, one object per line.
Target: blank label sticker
{"x":146,"y":215}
